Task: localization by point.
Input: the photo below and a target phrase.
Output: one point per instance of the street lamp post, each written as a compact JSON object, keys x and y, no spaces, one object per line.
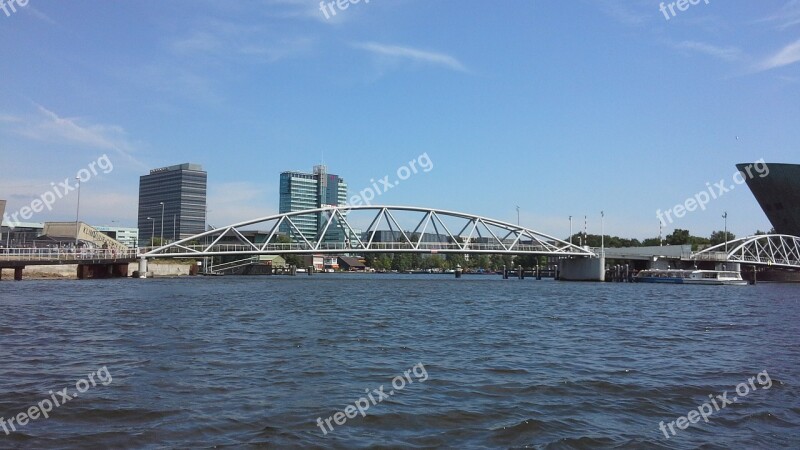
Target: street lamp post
{"x":725,"y":216}
{"x":153,"y":231}
{"x":602,"y":235}
{"x":162,"y":224}
{"x":517,"y":215}
{"x":570,"y":230}
{"x":78,"y":211}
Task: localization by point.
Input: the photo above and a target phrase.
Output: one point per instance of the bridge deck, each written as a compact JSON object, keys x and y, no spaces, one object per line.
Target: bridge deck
{"x":21,"y":257}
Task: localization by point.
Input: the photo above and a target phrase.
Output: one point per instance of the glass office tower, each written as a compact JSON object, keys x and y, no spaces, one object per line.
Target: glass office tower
{"x":182,"y":190}
{"x":300,"y":191}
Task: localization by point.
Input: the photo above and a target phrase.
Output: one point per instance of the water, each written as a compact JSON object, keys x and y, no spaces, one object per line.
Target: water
{"x":253,"y":362}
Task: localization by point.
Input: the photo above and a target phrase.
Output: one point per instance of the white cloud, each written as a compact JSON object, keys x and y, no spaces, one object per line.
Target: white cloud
{"x":787,"y":16}
{"x":398,"y":53}
{"x":215,"y":41}
{"x":789,"y":54}
{"x":50,"y":127}
{"x":725,"y":53}
{"x":623,"y":12}
{"x":235,"y":202}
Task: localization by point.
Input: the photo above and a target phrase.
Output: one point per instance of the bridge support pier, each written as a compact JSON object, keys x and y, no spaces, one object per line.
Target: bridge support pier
{"x":583,"y":269}
{"x":18,"y":273}
{"x":142,"y":267}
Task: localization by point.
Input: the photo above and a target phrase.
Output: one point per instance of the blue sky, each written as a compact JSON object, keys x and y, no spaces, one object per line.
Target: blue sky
{"x":562,"y":108}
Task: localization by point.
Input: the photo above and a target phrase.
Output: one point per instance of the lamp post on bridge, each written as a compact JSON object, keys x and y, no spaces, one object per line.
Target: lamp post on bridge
{"x":725,"y":216}
{"x":602,"y":236}
{"x":153,"y":231}
{"x":78,"y":211}
{"x":162,"y":224}
{"x":517,"y":215}
{"x":570,"y":230}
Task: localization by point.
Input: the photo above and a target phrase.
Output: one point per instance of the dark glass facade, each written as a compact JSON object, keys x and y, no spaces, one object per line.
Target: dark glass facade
{"x":182,"y":189}
{"x":778,"y":194}
{"x":300,"y":191}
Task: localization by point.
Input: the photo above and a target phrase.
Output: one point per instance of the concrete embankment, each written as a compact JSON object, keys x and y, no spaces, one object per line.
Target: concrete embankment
{"x":70,"y":271}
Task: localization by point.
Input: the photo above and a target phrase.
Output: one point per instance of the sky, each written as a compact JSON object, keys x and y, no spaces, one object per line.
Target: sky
{"x":562,"y":108}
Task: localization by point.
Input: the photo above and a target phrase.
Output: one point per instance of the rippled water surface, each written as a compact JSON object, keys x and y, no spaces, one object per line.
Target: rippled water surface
{"x":253,"y":362}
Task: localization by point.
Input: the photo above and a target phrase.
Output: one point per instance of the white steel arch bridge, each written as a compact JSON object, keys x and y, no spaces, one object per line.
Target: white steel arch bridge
{"x":779,"y":250}
{"x":409,"y":229}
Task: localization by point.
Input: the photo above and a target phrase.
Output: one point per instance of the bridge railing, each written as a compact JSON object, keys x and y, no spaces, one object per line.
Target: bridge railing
{"x":64,"y":254}
{"x":348,"y":247}
{"x":776,"y":261}
{"x":710,"y":256}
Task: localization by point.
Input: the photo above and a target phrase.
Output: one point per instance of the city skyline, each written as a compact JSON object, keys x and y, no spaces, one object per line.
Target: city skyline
{"x":577,"y":107}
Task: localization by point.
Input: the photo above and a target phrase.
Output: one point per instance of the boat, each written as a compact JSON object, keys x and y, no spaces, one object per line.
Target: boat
{"x":679,"y":276}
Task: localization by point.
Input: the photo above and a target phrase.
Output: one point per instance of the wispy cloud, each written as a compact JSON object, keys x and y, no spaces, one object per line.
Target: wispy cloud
{"x":233,"y":202}
{"x":9,"y":118}
{"x":623,"y":12}
{"x":789,"y":54}
{"x":787,"y":16}
{"x":297,"y":9}
{"x":222,"y":41}
{"x":398,"y":53}
{"x":724,"y":53}
{"x":50,"y":127}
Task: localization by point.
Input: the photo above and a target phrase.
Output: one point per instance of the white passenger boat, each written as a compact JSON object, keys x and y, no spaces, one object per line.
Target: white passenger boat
{"x":678,"y":276}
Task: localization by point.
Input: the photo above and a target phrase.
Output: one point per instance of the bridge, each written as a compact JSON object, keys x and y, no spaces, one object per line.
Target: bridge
{"x":388,"y":229}
{"x":339,"y":232}
{"x":92,"y":263}
{"x":775,"y":250}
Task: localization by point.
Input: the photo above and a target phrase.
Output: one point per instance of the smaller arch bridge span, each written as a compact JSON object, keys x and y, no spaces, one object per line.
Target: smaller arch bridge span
{"x":369,"y":229}
{"x":778,"y":250}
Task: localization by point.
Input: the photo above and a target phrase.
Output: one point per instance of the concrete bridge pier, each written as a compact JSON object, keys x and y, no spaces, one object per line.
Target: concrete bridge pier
{"x":142,"y":267}
{"x":18,"y":273}
{"x":583,"y":269}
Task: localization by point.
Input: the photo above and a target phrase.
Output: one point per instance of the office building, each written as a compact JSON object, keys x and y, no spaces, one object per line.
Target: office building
{"x":172,"y":203}
{"x":124,"y":235}
{"x":301,"y":191}
{"x":778,"y":194}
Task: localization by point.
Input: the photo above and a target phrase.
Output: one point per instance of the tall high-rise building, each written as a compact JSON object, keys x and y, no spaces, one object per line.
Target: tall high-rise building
{"x":776,"y":187}
{"x":172,"y":203}
{"x":300,"y":191}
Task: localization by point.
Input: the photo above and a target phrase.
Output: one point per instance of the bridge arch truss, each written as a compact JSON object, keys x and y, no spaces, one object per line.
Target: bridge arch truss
{"x":778,"y":250}
{"x":411,"y":230}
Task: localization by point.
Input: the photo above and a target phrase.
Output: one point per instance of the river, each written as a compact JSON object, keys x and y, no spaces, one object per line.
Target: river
{"x":480,"y":362}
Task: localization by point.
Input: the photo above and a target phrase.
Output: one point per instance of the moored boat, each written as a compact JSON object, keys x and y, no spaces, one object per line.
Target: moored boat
{"x":680,"y":276}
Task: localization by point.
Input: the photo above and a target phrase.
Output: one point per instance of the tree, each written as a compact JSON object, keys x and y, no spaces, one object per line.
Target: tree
{"x":679,"y":237}
{"x":651,"y":242}
{"x":291,"y":260}
{"x":455,"y":259}
{"x":479,"y":261}
{"x":530,"y":261}
{"x":433,"y":262}
{"x":401,"y":262}
{"x":719,"y":237}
